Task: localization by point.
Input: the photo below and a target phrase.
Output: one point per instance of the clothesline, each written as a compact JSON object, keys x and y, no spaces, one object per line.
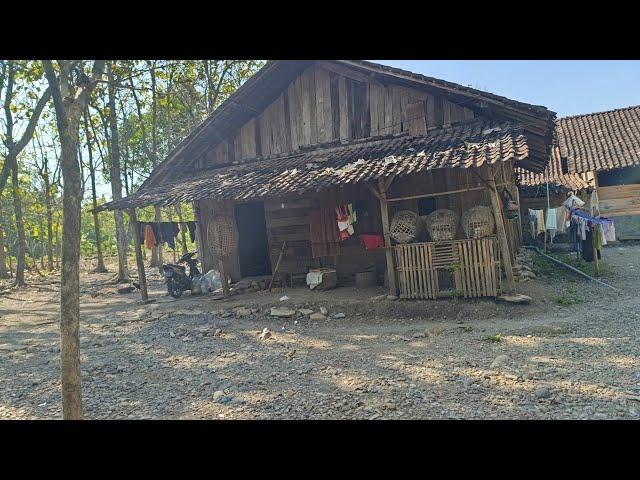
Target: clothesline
{"x":152,"y":234}
{"x":596,"y":220}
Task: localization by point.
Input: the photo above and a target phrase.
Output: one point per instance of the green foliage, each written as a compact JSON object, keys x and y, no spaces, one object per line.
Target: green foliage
{"x":497,"y":338}
{"x":568,"y":297}
{"x":186,"y":92}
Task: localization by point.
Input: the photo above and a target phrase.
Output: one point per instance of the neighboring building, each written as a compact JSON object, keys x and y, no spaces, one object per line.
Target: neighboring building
{"x":607,"y":144}
{"x":533,"y":186}
{"x":306,"y":135}
{"x":598,"y":150}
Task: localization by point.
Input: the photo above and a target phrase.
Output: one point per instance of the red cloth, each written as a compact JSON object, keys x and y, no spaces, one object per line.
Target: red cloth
{"x":323,"y":233}
{"x":369,"y":242}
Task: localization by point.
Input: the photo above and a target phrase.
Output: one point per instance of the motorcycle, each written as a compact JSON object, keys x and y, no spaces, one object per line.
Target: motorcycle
{"x":177,"y":279}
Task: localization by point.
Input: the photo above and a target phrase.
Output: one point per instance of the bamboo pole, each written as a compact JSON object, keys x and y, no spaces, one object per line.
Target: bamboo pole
{"x":384,"y":213}
{"x":502,"y":236}
{"x":142,"y":276}
{"x":275,"y":271}
{"x":546,"y":172}
{"x":438,"y":194}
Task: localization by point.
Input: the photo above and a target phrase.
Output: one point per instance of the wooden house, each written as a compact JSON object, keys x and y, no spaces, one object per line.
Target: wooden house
{"x":306,"y":136}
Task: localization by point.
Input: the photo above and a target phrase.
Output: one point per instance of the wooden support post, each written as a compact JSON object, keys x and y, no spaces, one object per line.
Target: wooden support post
{"x":502,"y":236}
{"x":384,"y":213}
{"x":142,"y":277}
{"x":223,"y":277}
{"x":519,"y":216}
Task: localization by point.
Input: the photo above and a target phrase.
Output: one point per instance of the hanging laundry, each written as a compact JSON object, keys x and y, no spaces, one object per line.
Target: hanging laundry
{"x":352,"y":213}
{"x":573,"y":202}
{"x":345,"y":221}
{"x":551,"y":221}
{"x":323,"y":233}
{"x":561,"y":216}
{"x":169,"y":230}
{"x":149,"y":237}
{"x":371,"y":242}
{"x":609,"y":231}
{"x":588,"y":245}
{"x":539,"y":219}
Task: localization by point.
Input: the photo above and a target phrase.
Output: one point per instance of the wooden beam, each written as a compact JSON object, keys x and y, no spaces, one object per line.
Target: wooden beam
{"x":142,"y":277}
{"x":387,"y":182}
{"x":375,"y":192}
{"x":384,"y":213}
{"x":502,"y":235}
{"x":438,"y":194}
{"x":519,"y":215}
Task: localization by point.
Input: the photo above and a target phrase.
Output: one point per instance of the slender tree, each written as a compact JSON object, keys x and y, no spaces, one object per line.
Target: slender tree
{"x":100,"y":268}
{"x":70,"y":89}
{"x":115,"y":175}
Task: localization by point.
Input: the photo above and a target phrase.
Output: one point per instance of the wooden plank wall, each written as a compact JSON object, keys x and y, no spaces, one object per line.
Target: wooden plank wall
{"x":329,"y":103}
{"x":288,"y":220}
{"x":619,"y":200}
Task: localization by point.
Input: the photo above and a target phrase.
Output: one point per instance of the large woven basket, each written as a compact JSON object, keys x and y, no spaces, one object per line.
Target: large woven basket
{"x":442,"y":224}
{"x":222,"y":235}
{"x":477,"y":222}
{"x":405,"y":227}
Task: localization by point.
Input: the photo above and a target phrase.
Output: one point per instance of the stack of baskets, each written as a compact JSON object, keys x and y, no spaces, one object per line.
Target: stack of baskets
{"x":478,"y":222}
{"x":405,"y":227}
{"x":442,"y":224}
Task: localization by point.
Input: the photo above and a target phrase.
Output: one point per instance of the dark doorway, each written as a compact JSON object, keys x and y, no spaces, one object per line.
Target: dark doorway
{"x":253,"y":245}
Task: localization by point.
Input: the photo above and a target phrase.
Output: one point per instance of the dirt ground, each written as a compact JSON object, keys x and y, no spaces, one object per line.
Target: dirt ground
{"x":572,"y":354}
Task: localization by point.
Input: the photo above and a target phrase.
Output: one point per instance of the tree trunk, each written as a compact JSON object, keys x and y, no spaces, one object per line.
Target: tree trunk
{"x":17,"y":208}
{"x":116,"y":181}
{"x":94,"y":199}
{"x":70,"y":285}
{"x":3,"y":254}
{"x":68,"y":120}
{"x":49,"y":225}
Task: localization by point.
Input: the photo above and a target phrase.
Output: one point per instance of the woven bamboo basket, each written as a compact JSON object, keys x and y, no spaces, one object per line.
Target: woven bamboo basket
{"x":406,"y":226}
{"x":477,"y":222}
{"x":442,"y":224}
{"x":222,"y":235}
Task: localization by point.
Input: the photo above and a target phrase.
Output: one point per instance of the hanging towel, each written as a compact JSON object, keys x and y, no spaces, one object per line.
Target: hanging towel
{"x":551,"y":222}
{"x":149,"y":237}
{"x":609,"y":231}
{"x":561,"y":222}
{"x":323,"y":233}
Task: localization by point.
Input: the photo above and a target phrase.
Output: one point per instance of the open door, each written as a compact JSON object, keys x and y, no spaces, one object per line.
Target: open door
{"x":253,"y":244}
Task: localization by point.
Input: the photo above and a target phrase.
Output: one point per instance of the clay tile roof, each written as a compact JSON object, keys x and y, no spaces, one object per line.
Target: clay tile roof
{"x":557,"y":179}
{"x":465,"y":145}
{"x":600,"y":141}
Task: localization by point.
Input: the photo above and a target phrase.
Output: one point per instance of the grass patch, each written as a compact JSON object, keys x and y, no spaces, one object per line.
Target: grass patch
{"x":497,"y":338}
{"x":586,"y":267}
{"x":544,"y":266}
{"x":569,"y":297}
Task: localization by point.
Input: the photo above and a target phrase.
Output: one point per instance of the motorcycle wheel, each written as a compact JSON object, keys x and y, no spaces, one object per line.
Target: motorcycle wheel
{"x":174,"y":290}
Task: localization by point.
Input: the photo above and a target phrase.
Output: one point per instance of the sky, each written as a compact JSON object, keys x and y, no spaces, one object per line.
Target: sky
{"x":567,"y":87}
